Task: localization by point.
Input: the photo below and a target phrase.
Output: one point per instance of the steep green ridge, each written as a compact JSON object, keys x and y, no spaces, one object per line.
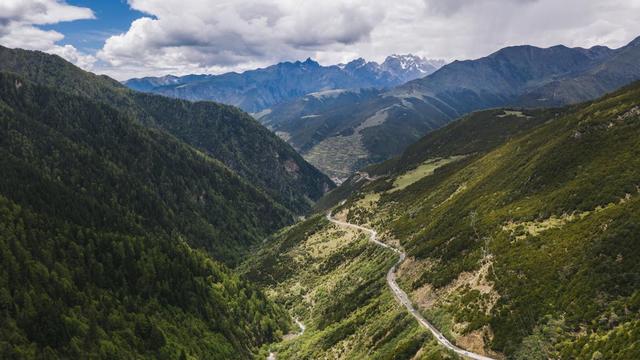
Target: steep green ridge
{"x":99,"y":163}
{"x":97,"y":215}
{"x":530,"y":248}
{"x":223,"y":132}
{"x":333,"y":280}
{"x":240,"y":142}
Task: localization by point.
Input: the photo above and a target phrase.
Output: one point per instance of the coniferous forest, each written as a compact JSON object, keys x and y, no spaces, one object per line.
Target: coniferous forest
{"x":108,"y":231}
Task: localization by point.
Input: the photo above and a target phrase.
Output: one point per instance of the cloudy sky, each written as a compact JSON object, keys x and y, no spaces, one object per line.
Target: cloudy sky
{"x":156,"y":37}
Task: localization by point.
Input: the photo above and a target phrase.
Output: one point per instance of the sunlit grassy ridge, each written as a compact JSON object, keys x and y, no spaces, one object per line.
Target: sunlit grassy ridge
{"x":425,"y":169}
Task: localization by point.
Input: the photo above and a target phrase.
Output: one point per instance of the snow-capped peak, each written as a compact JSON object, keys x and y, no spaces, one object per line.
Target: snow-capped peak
{"x":405,"y":61}
{"x":410,"y":66}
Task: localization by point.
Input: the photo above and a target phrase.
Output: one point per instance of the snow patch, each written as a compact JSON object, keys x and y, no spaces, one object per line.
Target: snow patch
{"x":259,"y":115}
{"x":328,"y":94}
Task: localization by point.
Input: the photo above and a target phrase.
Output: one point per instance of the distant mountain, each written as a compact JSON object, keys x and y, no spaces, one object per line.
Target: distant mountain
{"x":409,"y":67}
{"x":381,"y":124}
{"x":258,"y":89}
{"x":149,"y":83}
{"x":221,"y":131}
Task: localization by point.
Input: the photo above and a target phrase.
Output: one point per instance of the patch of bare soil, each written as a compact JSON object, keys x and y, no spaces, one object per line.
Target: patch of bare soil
{"x":426,"y":297}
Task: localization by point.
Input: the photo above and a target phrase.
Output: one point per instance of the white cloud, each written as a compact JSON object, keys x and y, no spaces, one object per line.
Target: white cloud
{"x":229,"y":34}
{"x":186,"y":36}
{"x":206,"y":36}
{"x":18,"y":27}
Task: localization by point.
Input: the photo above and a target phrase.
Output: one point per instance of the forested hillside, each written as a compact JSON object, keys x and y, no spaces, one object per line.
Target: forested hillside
{"x":252,"y":151}
{"x":521,"y":241}
{"x":223,"y":132}
{"x":100,"y":219}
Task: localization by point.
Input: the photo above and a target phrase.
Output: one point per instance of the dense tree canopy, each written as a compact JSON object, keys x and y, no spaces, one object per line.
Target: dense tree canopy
{"x":101,"y":220}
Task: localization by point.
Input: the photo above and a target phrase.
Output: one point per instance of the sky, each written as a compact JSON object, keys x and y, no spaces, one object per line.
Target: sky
{"x":136,"y":38}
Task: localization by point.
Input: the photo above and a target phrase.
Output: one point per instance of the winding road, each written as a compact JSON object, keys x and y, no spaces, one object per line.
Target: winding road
{"x":272,"y":355}
{"x":402,"y":297}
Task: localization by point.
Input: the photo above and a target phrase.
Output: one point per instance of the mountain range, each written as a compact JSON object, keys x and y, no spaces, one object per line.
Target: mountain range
{"x":380,"y":124}
{"x":256,"y":90}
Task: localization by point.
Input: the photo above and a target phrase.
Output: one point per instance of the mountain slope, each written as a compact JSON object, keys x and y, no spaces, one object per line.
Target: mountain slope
{"x":97,"y":218}
{"x":256,"y":90}
{"x":476,"y":133}
{"x":333,"y":280}
{"x":339,"y":132}
{"x":75,"y":145}
{"x":515,"y":76}
{"x":241,"y":143}
{"x":221,"y":131}
{"x":527,"y":247}
{"x":505,"y":74}
{"x":602,"y":78}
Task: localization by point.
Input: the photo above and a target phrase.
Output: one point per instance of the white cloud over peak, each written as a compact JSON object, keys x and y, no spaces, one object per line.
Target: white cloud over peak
{"x":214,"y":36}
{"x":18,"y":27}
{"x":186,"y":36}
{"x":227,"y":34}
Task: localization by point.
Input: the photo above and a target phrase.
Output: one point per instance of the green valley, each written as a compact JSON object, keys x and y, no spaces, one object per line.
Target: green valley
{"x":473,"y":196}
{"x":333,"y":279}
{"x":523,"y":244}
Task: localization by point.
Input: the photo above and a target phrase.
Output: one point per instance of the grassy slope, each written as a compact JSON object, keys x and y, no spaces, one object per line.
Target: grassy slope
{"x":333,"y":280}
{"x":546,"y":224}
